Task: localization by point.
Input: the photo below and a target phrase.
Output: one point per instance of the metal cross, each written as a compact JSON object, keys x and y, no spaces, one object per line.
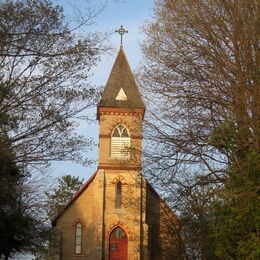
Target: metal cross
{"x":121,"y":31}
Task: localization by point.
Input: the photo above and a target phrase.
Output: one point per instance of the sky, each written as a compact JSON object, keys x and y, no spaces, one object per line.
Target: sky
{"x":132,"y":14}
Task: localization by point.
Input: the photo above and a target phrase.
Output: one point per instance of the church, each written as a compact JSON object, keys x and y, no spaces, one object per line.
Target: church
{"x":117,"y":214}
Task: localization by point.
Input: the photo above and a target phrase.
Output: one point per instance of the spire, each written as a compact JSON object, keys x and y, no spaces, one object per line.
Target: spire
{"x":121,"y":90}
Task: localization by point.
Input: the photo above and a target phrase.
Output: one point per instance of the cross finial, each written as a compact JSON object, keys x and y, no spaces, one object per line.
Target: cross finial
{"x":121,"y":31}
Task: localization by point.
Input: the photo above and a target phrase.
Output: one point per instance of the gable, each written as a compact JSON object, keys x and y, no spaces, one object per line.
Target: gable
{"x":74,"y":198}
{"x":162,"y":202}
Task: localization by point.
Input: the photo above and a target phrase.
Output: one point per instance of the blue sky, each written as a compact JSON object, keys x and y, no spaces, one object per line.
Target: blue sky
{"x":131,"y":14}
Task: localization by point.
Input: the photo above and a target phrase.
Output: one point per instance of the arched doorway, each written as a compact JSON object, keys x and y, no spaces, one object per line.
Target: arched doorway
{"x":118,"y":244}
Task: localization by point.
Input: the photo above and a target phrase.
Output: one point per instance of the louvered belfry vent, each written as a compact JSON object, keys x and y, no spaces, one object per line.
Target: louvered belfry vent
{"x":120,"y":142}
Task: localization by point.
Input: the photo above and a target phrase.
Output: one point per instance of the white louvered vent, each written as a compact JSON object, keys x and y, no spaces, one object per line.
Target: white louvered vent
{"x":120,"y":142}
{"x":121,"y":95}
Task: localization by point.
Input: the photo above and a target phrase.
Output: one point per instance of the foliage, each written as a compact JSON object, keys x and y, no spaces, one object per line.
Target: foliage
{"x":44,"y":70}
{"x":22,"y":228}
{"x":201,"y":77}
{"x":67,"y":186}
{"x":236,"y":211}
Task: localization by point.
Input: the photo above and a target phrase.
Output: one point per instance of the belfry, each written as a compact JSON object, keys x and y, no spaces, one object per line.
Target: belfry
{"x":117,"y":215}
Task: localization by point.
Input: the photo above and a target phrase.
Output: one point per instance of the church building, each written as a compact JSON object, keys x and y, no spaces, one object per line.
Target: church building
{"x":117,"y":215}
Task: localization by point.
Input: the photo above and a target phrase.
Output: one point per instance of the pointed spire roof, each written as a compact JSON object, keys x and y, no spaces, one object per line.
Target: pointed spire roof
{"x":121,"y":81}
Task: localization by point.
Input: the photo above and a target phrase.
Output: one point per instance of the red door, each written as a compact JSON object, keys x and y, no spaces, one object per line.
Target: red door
{"x":118,"y":244}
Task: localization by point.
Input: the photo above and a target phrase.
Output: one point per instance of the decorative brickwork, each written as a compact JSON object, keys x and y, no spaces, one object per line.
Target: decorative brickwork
{"x":119,"y":178}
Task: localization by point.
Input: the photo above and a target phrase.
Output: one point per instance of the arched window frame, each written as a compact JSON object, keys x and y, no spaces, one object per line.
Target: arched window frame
{"x":78,"y":238}
{"x":118,"y":200}
{"x":120,"y":142}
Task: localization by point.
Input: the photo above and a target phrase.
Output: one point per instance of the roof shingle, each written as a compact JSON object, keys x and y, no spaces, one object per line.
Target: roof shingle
{"x":121,"y":76}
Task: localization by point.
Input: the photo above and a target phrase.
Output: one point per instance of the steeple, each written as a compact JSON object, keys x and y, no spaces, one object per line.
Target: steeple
{"x":121,"y":90}
{"x":120,"y":113}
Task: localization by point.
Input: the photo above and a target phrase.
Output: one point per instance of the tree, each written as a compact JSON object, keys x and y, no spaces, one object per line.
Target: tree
{"x":44,"y":69}
{"x":235,"y":226}
{"x":56,"y":199}
{"x":196,"y":215}
{"x":201,"y":76}
{"x":22,"y":228}
{"x":44,"y":85}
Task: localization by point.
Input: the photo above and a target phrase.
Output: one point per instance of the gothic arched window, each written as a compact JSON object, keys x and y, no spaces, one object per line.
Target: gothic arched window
{"x":120,"y":142}
{"x":118,"y":194}
{"x":78,"y":238}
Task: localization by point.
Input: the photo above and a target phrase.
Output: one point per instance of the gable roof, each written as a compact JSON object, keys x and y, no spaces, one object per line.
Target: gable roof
{"x":121,"y":76}
{"x":76,"y":195}
{"x":83,"y":188}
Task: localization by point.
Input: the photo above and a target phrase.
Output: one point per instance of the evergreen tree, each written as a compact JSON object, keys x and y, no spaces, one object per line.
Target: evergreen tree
{"x":56,"y":199}
{"x":23,"y":229}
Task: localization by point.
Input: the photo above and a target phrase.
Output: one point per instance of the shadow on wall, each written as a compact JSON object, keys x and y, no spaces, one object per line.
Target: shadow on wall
{"x":164,"y":236}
